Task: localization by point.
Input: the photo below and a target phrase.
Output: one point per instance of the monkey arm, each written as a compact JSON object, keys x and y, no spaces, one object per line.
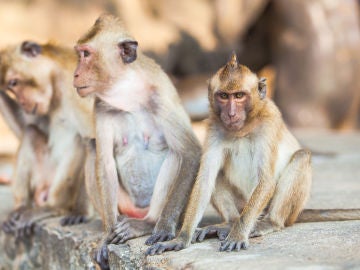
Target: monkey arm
{"x":201,"y":193}
{"x":239,"y":233}
{"x":106,"y":174}
{"x":179,"y":172}
{"x":12,"y":114}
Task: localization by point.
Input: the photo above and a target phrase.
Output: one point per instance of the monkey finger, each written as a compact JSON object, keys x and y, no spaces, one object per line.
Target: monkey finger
{"x":151,"y":251}
{"x":119,"y":238}
{"x":28,"y":229}
{"x":161,"y":249}
{"x":224,"y":245}
{"x":245,"y":245}
{"x":7,"y":228}
{"x":202,"y":235}
{"x":154,"y":238}
{"x":230,"y":246}
{"x":165,"y":237}
{"x":222,"y":234}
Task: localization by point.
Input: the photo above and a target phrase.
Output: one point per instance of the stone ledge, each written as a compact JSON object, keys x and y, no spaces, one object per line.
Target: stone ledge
{"x":329,"y":245}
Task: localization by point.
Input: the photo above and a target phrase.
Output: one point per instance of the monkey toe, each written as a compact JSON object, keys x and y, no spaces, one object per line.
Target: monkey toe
{"x":101,"y":257}
{"x":159,"y":237}
{"x":229,"y":245}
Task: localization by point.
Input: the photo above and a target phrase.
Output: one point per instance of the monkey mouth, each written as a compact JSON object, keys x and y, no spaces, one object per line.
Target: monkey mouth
{"x":80,"y":90}
{"x":234,"y":125}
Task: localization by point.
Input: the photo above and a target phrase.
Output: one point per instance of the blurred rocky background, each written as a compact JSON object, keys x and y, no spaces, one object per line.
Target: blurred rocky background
{"x":308,"y":49}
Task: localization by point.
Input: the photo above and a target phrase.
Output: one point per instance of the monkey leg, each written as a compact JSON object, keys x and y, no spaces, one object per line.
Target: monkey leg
{"x":29,"y":168}
{"x":225,"y":202}
{"x":291,"y":194}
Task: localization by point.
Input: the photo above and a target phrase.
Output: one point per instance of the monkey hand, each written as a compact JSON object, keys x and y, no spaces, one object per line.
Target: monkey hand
{"x":129,"y":228}
{"x":101,"y":257}
{"x":73,"y":220}
{"x":10,"y":224}
{"x":24,"y":222}
{"x":220,"y":230}
{"x":159,"y":248}
{"x":163,"y":231}
{"x":234,"y":241}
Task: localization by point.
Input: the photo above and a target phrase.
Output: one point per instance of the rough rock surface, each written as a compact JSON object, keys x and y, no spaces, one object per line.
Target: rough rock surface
{"x":327,"y":245}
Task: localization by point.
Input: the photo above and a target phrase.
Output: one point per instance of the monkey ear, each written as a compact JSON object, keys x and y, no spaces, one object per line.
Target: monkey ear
{"x":128,"y":51}
{"x":31,"y":49}
{"x":262,"y":88}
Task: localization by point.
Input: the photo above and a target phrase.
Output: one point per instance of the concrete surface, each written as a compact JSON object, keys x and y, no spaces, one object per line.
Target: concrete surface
{"x":310,"y":246}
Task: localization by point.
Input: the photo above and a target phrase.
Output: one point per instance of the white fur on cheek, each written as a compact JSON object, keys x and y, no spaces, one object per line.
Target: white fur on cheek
{"x":128,"y":93}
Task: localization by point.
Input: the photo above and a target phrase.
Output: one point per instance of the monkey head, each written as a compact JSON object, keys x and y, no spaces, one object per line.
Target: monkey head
{"x":27,"y":74}
{"x":103,"y":54}
{"x":233,"y":93}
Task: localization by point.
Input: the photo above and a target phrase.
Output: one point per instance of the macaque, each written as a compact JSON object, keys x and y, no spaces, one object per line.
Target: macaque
{"x":147,"y":155}
{"x":49,"y":173}
{"x":252,"y":169}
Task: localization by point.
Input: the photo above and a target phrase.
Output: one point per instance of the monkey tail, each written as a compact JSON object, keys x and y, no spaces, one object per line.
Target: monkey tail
{"x":320,"y":215}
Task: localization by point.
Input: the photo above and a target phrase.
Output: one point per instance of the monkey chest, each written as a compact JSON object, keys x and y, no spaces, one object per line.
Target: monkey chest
{"x":241,"y":169}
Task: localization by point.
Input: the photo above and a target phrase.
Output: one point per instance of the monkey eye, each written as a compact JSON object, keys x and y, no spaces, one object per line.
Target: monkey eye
{"x":223,"y":95}
{"x":12,"y":83}
{"x":86,"y":53}
{"x":239,"y":95}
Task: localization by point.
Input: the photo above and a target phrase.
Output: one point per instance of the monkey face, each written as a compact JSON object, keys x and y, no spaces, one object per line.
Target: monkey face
{"x":232,"y":108}
{"x":28,"y":76}
{"x":233,"y":91}
{"x":86,"y":73}
{"x":33,"y":98}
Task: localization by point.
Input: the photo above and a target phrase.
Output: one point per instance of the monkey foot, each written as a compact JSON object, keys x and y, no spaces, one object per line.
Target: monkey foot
{"x":129,"y":228}
{"x":159,"y":248}
{"x":264,"y":227}
{"x":73,"y":220}
{"x":101,"y":257}
{"x":220,"y":230}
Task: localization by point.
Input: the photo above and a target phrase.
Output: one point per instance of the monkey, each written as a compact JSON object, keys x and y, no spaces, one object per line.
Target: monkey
{"x":253,"y":170}
{"x":40,"y":79}
{"x":145,"y":149}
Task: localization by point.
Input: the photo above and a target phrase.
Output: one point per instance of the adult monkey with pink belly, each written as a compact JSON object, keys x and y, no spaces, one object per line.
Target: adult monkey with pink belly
{"x":145,"y":148}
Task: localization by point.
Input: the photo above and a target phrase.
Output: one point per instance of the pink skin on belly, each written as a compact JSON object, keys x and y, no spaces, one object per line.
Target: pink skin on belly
{"x":127,"y":207}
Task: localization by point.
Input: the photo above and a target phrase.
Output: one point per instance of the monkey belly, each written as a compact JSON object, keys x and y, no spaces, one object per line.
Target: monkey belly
{"x":138,"y":170}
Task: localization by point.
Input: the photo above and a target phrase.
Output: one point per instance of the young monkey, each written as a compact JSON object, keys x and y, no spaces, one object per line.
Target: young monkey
{"x":253,"y":170}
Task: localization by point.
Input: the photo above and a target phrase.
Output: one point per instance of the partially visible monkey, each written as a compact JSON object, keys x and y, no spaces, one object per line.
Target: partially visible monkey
{"x":40,"y":78}
{"x":251,"y":166}
{"x":145,"y":147}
